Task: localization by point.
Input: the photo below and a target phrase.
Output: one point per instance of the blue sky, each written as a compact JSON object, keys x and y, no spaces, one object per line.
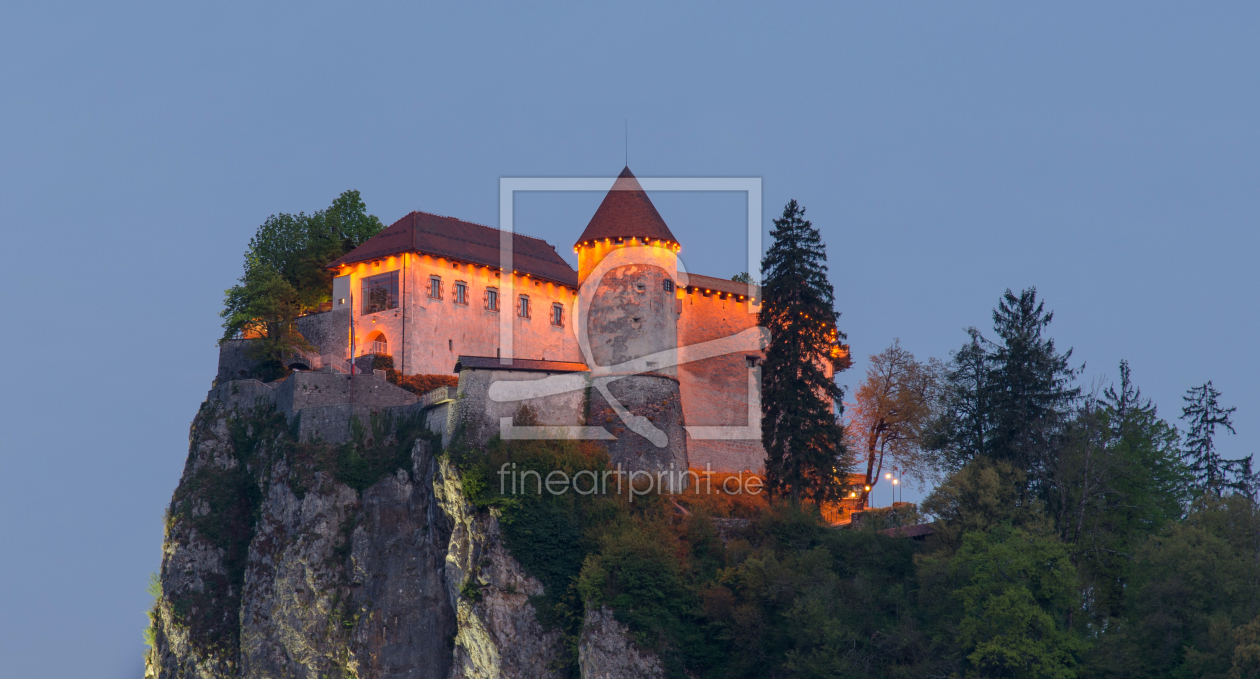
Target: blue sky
{"x":1105,"y":153}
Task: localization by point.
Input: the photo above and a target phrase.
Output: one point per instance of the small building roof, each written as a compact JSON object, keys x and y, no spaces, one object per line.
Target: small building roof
{"x":917,"y":531}
{"x":518,"y":364}
{"x":463,"y":241}
{"x":626,"y":212}
{"x":695,"y":280}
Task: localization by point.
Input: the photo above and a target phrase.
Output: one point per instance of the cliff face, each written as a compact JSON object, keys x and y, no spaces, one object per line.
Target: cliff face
{"x":275,"y":565}
{"x":498,"y":632}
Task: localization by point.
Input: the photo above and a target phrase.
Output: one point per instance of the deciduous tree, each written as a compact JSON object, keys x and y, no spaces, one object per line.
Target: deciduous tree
{"x":286,"y":276}
{"x":892,"y":409}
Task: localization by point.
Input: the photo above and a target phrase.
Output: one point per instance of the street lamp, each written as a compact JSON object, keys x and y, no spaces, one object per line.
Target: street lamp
{"x":896,"y":483}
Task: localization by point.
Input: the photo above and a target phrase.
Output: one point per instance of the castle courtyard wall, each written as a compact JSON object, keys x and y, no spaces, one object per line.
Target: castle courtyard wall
{"x":715,"y":390}
{"x":479,"y":415}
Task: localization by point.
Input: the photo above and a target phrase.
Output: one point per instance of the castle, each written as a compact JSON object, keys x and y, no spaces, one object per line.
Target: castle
{"x":631,"y":349}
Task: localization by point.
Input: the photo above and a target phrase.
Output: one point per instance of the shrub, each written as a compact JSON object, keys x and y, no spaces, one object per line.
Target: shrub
{"x":416,"y":384}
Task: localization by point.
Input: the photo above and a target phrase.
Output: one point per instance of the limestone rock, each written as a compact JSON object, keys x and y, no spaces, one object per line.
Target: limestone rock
{"x":499,"y":636}
{"x":324,"y":581}
{"x":606,"y":652}
{"x":273,"y":568}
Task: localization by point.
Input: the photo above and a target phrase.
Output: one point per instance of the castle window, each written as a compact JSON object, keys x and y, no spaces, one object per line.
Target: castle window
{"x":435,"y":287}
{"x":492,"y":299}
{"x":753,"y":361}
{"x":522,"y":306}
{"x":380,"y":293}
{"x":557,"y":315}
{"x":461,"y":292}
{"x":669,"y":285}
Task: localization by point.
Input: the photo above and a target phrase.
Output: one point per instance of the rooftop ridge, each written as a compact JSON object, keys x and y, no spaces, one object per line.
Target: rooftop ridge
{"x":492,"y":228}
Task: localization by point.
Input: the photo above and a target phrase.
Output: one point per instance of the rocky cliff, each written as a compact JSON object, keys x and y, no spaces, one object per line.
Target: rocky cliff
{"x":365,"y":559}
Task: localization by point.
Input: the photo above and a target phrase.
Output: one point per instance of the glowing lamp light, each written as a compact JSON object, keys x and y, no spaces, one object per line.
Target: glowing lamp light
{"x":888,"y":476}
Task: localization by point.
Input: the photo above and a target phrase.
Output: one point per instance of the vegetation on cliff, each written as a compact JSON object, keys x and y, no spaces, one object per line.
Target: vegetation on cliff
{"x":1075,"y":536}
{"x":286,"y":275}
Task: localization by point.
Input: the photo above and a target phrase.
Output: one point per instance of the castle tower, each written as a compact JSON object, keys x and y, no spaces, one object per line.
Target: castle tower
{"x":627,"y":272}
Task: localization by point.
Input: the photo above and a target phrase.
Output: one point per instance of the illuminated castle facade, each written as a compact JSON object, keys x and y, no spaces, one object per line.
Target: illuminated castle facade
{"x":433,"y":293}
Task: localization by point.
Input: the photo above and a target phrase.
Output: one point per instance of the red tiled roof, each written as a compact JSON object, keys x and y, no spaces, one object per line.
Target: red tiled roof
{"x":695,"y":280}
{"x":462,"y":241}
{"x":916,"y":531}
{"x":626,"y":212}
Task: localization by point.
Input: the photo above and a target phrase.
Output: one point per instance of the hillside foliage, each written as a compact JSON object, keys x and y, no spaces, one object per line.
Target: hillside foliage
{"x":1071,"y":540}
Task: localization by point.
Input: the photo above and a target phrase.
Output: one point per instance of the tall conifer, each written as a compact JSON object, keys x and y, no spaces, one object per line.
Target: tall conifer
{"x":800,"y":427}
{"x":1210,"y":473}
{"x":1006,"y":399}
{"x":1031,"y":386}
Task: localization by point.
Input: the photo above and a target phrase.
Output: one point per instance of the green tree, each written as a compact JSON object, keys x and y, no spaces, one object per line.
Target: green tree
{"x":892,"y":408}
{"x":1117,"y":479}
{"x":264,"y":307}
{"x":1191,"y":597}
{"x":742,"y":277}
{"x":286,"y":275}
{"x":1030,"y":388}
{"x":299,"y":247}
{"x":1211,"y":474}
{"x":961,"y":428}
{"x":1007,"y":398}
{"x":984,"y":496}
{"x":1017,"y":592}
{"x":800,"y":428}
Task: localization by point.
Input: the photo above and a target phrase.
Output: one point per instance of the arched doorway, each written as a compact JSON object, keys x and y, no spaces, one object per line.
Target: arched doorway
{"x":377,"y":344}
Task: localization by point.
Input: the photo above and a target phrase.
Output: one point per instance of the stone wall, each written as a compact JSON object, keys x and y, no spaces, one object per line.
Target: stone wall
{"x":234,"y":361}
{"x":305,"y":390}
{"x":329,"y":332}
{"x":656,"y":399}
{"x":322,"y":406}
{"x":243,"y":394}
{"x":632,"y":315}
{"x":715,"y":390}
{"x":479,"y":415}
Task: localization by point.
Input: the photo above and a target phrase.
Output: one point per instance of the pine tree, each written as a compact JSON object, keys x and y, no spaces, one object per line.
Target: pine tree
{"x":1203,"y":413}
{"x":962,"y":427}
{"x":1030,"y":388}
{"x":800,"y":426}
{"x":1006,"y":398}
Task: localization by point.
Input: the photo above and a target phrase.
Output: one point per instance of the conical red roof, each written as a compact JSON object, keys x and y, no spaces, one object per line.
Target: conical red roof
{"x":626,"y":213}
